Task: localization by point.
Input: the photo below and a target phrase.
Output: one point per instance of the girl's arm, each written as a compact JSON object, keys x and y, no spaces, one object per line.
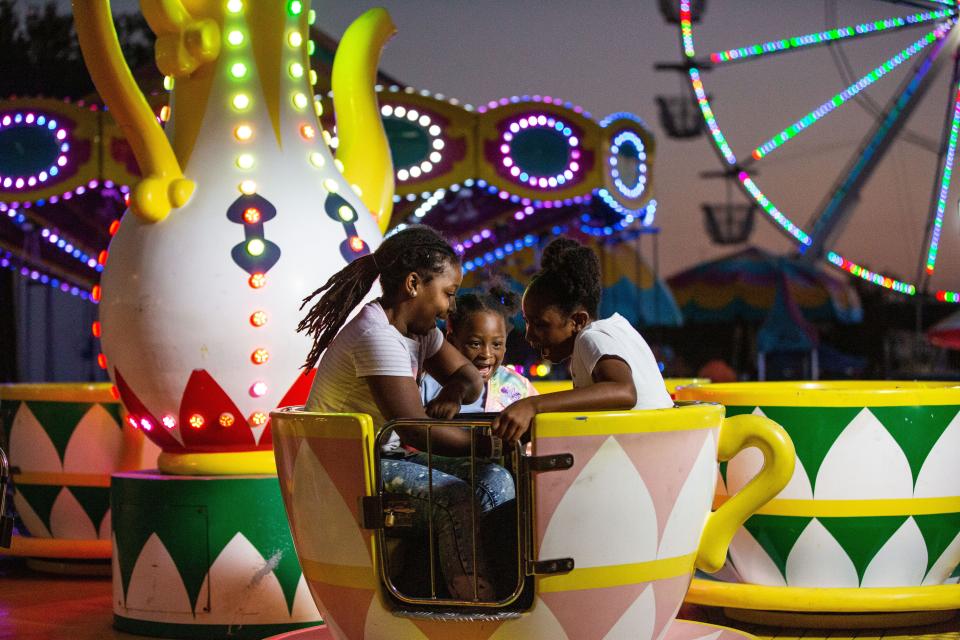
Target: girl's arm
{"x":613,"y":388}
{"x":460,"y":380}
{"x":398,"y":397}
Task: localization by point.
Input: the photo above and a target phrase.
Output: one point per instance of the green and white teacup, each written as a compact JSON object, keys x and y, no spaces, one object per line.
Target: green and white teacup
{"x":875,"y":497}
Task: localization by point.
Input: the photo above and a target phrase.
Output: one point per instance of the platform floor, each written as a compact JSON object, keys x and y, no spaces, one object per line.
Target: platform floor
{"x":39,"y":606}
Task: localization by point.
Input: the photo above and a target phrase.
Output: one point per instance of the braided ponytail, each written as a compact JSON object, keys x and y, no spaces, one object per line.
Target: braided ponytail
{"x":417,"y":249}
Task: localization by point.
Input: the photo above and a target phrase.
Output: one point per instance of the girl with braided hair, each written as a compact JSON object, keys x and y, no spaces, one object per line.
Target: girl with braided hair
{"x":374,"y":364}
{"x":611,"y":364}
{"x":478,"y":329}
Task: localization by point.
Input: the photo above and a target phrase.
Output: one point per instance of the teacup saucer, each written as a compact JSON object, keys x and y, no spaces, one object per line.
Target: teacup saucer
{"x":827,"y":607}
{"x":63,"y":548}
{"x":679,"y":630}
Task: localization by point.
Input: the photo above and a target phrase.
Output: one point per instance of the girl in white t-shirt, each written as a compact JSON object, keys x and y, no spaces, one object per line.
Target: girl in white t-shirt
{"x":611,"y":365}
{"x":374,"y":364}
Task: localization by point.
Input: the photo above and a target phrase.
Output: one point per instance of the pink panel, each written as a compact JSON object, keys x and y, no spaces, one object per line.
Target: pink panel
{"x":343,"y":461}
{"x":552,"y":486}
{"x":664,"y":461}
{"x":668,"y":596}
{"x":590,"y":614}
{"x":345,"y":606}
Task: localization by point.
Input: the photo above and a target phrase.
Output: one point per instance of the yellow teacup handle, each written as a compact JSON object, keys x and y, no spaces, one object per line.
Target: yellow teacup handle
{"x":736,"y":434}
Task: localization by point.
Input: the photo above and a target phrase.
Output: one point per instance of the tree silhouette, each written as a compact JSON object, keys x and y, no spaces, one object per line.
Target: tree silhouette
{"x":40,"y":55}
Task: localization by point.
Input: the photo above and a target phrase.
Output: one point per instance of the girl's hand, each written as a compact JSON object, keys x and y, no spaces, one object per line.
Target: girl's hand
{"x":515,"y":420}
{"x":445,"y":405}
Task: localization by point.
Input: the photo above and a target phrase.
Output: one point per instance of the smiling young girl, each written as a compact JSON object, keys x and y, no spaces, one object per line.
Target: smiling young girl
{"x":478,"y":329}
{"x":373,"y":365}
{"x":611,"y":364}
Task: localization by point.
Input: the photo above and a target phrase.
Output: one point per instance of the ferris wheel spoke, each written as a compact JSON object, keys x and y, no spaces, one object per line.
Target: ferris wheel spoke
{"x":851,"y":32}
{"x":941,"y":189}
{"x":847,"y":94}
{"x":846,"y":190}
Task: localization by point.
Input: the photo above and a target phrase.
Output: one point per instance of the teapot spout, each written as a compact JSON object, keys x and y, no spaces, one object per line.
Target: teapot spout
{"x":363,"y":148}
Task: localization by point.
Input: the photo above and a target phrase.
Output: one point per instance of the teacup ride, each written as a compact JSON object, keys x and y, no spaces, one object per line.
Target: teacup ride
{"x":64,"y":440}
{"x":613,"y":513}
{"x":867,"y":532}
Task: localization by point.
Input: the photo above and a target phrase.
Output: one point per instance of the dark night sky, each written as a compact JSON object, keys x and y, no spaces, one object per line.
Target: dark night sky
{"x":600,"y":54}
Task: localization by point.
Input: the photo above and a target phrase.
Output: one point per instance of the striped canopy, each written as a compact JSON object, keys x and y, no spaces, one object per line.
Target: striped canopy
{"x":743,"y":286}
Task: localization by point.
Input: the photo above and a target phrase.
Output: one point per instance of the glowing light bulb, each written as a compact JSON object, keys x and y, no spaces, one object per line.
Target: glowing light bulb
{"x":260,"y":356}
{"x":133,"y":422}
{"x":169,"y":421}
{"x":251,"y":215}
{"x":258,"y":418}
{"x":256,"y":247}
{"x":300,"y":101}
{"x":316,"y":159}
{"x":243,"y":132}
{"x":226,"y":419}
{"x":113,"y":227}
{"x":346,"y":213}
{"x":245,"y":161}
{"x":248,"y":187}
{"x":296,"y":70}
{"x":95,"y":294}
{"x":258,"y":318}
{"x":241,"y":102}
{"x":164,"y":113}
{"x":311,"y":16}
{"x":146,"y":424}
{"x":357,"y":244}
{"x":102,"y":361}
{"x":235,"y":38}
{"x":295,"y":39}
{"x":295,"y":7}
{"x":196,"y":421}
{"x":308,"y":132}
{"x":96,"y":329}
{"x":235,"y":6}
{"x":257,"y":281}
{"x":338,"y":163}
{"x":168,"y":83}
{"x":318,"y":107}
{"x":331,"y":185}
{"x":258,"y":389}
{"x":238,"y":70}
{"x":311,"y":47}
{"x":313,"y":77}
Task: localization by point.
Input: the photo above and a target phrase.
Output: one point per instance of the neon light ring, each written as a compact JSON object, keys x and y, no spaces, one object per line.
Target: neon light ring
{"x":900,"y":55}
{"x":34,"y":149}
{"x":628,"y":159}
{"x":539,"y":150}
{"x":420,"y":142}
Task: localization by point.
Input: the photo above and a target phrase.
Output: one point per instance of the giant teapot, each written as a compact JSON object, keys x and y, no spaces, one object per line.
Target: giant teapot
{"x":242,"y":211}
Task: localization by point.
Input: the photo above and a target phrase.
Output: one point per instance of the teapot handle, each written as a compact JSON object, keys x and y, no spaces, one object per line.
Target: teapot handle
{"x":163,"y":186}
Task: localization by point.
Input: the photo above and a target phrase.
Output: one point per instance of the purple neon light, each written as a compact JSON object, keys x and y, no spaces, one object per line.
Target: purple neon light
{"x":40,"y":121}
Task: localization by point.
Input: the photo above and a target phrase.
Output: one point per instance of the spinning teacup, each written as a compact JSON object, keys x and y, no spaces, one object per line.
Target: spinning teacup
{"x":614,"y":514}
{"x":875,"y":497}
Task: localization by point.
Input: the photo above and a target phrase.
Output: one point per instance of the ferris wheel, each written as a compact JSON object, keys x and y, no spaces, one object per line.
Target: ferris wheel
{"x":841,"y":120}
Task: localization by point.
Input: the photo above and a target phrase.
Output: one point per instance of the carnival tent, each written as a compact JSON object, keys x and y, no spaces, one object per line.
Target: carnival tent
{"x":743,"y":286}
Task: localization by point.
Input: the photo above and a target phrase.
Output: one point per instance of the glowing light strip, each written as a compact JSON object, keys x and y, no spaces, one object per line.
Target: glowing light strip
{"x":772,"y":210}
{"x":9,"y":261}
{"x":841,"y":98}
{"x":708,"y":117}
{"x":944,"y":186}
{"x":840,"y":33}
{"x":686,"y":28}
{"x":645,"y":216}
{"x":871,"y":276}
{"x":948,"y":296}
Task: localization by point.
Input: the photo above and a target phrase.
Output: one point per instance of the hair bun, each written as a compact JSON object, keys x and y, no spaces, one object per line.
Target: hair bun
{"x":559,"y":253}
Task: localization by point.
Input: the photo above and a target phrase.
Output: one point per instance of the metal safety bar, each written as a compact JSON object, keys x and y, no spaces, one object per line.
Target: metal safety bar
{"x":384,"y":511}
{"x":384,"y":514}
